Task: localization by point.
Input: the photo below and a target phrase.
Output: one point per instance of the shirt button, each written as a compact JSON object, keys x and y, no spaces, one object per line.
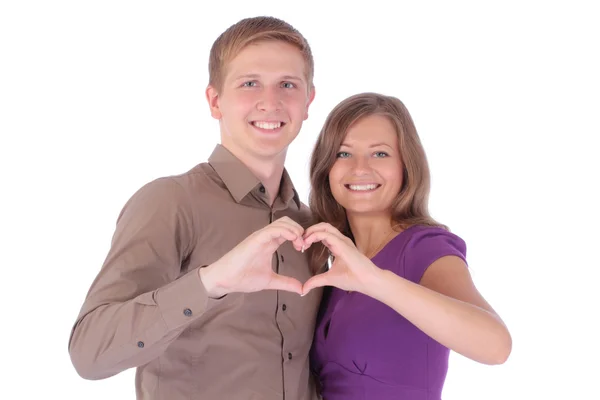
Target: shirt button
{"x":140,"y":344}
{"x":261,"y":189}
{"x":289,"y":356}
{"x":284,"y":307}
{"x":187,"y":312}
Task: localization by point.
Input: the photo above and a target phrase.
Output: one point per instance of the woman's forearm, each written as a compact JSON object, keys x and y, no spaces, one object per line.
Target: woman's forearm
{"x":462,"y":327}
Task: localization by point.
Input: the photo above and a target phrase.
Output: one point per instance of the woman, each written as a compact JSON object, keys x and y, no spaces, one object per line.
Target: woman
{"x":401,"y":294}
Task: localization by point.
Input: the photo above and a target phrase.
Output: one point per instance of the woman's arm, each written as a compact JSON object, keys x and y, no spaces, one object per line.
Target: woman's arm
{"x":447,"y":307}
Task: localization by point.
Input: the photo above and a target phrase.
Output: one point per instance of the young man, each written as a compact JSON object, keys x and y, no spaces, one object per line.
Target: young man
{"x":200,"y":289}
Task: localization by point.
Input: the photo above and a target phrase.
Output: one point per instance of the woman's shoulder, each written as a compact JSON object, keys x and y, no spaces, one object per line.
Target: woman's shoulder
{"x":420,"y":237}
{"x":417,"y":247}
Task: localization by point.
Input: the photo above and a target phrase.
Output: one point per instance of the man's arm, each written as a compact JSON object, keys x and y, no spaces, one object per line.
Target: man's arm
{"x":137,"y":305}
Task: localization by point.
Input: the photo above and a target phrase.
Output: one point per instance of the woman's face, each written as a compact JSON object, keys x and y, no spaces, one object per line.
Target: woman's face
{"x":367,"y":174}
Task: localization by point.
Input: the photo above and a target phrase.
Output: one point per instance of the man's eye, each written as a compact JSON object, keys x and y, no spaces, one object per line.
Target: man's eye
{"x":288,"y":85}
{"x":249,"y":84}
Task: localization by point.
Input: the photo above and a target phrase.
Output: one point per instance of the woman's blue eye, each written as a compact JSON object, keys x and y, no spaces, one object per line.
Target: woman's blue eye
{"x":343,"y":154}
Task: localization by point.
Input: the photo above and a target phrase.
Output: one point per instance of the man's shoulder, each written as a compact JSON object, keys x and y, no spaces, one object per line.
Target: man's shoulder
{"x":177,"y":185}
{"x":199,"y":173}
{"x":199,"y":178}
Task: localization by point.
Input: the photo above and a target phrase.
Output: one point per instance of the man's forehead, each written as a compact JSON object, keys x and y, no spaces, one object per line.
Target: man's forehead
{"x":258,"y":62}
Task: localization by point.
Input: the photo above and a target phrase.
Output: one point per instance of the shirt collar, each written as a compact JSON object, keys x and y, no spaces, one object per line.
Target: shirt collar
{"x":240,"y":181}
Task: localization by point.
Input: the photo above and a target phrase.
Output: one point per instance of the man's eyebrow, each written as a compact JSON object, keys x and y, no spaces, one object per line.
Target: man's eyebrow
{"x":246,"y":76}
{"x":291,"y":77}
{"x":255,"y":76}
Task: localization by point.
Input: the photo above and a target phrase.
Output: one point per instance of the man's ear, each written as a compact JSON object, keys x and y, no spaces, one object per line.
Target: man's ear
{"x":311,"y":97}
{"x":212,"y":96}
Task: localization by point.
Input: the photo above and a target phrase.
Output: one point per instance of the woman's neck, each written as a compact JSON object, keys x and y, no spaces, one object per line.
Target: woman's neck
{"x":371,"y":232}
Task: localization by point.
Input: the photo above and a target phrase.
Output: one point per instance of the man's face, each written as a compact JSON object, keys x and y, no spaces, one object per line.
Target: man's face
{"x":263,"y":100}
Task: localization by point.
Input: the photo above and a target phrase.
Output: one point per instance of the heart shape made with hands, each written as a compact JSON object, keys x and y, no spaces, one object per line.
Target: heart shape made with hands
{"x":247,"y":267}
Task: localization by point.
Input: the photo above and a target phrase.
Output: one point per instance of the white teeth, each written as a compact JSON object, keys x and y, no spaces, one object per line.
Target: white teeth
{"x":363,"y":187}
{"x":267,"y":125}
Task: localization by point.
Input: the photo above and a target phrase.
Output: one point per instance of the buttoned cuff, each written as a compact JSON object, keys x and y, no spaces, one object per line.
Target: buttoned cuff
{"x":184,"y":300}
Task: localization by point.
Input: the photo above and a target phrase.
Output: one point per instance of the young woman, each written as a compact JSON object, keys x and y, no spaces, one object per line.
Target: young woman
{"x":401,"y":294}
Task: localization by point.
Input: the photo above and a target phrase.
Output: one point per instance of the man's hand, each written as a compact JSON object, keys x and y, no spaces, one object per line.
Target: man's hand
{"x":248,"y":266}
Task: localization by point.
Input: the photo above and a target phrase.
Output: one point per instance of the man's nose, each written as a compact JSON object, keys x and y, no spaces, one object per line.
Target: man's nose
{"x":270,"y":100}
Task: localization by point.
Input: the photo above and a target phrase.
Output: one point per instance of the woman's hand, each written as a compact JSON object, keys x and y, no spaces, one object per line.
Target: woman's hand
{"x":351,"y":270}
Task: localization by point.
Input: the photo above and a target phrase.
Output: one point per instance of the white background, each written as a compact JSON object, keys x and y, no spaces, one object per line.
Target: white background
{"x":98,"y":98}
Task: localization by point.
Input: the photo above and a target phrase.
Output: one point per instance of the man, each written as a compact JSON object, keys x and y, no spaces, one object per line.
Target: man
{"x":201,"y":287}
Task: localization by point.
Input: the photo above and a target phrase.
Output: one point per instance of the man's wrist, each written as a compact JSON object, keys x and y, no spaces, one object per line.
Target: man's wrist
{"x":209,"y":278}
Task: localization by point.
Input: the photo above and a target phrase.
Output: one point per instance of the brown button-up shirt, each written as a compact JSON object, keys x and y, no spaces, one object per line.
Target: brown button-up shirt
{"x":148,"y":308}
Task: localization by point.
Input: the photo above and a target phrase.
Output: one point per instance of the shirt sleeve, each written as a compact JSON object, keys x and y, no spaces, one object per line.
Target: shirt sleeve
{"x":428,"y":245}
{"x":138,"y":304}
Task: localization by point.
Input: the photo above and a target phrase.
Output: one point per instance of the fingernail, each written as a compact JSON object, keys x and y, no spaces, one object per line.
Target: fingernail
{"x":302,"y":249}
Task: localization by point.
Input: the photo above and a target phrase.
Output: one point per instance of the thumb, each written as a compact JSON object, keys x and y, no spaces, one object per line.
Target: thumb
{"x":315,"y":282}
{"x":280,"y":282}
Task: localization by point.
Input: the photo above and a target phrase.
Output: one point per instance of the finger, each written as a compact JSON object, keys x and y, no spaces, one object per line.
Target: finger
{"x":315,"y":282}
{"x":297,"y":241}
{"x":280,"y":282}
{"x":274,"y":232}
{"x":331,"y":241}
{"x":287,"y":223}
{"x":299,"y":244}
{"x":323,"y":227}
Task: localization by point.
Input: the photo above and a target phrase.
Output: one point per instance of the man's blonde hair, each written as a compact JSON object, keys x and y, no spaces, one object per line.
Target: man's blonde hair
{"x":252,"y":30}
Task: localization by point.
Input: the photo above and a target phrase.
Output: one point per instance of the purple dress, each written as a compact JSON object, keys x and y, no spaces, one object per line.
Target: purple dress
{"x":364,"y":349}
